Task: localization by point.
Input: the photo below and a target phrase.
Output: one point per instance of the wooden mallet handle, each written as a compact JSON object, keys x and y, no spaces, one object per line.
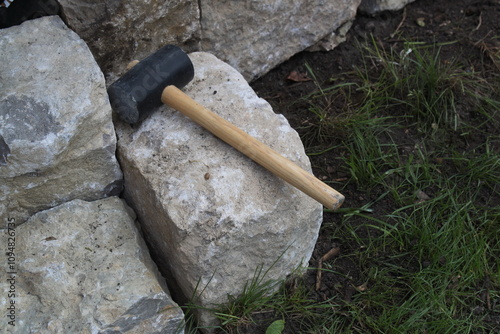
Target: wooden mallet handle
{"x":253,"y":148}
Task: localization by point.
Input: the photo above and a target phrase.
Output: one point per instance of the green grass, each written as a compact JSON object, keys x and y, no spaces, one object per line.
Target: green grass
{"x":428,"y":262}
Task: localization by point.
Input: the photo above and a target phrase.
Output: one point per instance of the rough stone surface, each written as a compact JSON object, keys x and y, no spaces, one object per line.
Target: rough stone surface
{"x":57,"y":138}
{"x":118,"y":31}
{"x":255,"y":36}
{"x":252,"y":36}
{"x":374,"y":6}
{"x":83,"y":267}
{"x":211,"y":214}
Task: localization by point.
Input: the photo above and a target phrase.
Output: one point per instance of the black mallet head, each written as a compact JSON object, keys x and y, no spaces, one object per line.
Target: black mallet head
{"x":138,"y":92}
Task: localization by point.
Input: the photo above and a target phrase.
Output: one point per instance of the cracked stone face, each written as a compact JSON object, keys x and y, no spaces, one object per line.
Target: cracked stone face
{"x":84,"y":268}
{"x":25,"y":118}
{"x":58,"y":141}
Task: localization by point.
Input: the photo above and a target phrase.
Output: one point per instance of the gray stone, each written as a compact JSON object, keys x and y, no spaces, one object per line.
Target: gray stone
{"x":252,"y":36}
{"x":255,"y":36}
{"x":83,"y":267}
{"x":118,"y":31}
{"x":212,"y":215}
{"x":57,"y":138}
{"x":372,"y":7}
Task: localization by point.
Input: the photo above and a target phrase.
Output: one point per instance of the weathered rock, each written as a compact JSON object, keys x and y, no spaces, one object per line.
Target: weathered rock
{"x":374,"y":6}
{"x":332,"y":40}
{"x":255,"y":36}
{"x":58,"y":138}
{"x":211,"y":215}
{"x":83,"y":267}
{"x":119,"y":31}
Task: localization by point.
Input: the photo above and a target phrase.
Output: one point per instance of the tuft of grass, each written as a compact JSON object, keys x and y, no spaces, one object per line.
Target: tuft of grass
{"x":435,"y":92}
{"x":335,"y":110}
{"x":256,"y":295}
{"x":368,"y":158}
{"x":264,"y":305}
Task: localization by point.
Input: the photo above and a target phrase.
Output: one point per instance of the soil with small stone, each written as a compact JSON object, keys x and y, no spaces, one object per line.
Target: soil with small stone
{"x":473,"y":28}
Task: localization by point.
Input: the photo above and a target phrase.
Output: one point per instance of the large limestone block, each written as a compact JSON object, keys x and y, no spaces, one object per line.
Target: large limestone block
{"x":374,"y":6}
{"x":211,"y":215}
{"x":83,"y":267}
{"x":55,"y":120}
{"x":118,"y":31}
{"x":255,"y":36}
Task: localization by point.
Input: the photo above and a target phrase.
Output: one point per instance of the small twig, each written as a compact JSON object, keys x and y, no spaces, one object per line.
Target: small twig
{"x":331,"y":253}
{"x":488,"y":300}
{"x":491,"y":51}
{"x":480,"y":22}
{"x":400,"y":24}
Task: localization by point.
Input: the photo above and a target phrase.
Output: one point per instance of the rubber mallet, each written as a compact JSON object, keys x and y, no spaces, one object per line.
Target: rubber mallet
{"x":159,"y":78}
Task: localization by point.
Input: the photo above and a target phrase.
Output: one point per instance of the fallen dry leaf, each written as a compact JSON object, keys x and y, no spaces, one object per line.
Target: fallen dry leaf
{"x":422,"y":196}
{"x":298,"y":77}
{"x":362,"y":287}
